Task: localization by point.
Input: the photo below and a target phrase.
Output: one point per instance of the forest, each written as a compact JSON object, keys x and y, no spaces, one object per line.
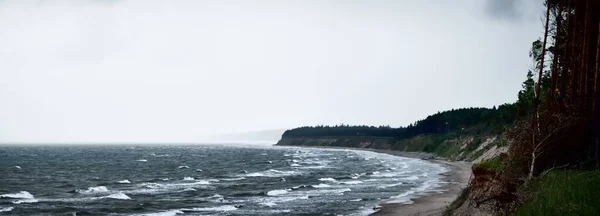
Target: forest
{"x":491,"y":120}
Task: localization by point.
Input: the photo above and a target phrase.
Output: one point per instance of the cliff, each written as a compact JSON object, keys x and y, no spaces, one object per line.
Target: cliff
{"x":463,"y":147}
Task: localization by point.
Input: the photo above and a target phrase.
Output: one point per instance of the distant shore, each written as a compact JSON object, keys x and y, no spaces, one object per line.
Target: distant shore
{"x":431,"y":204}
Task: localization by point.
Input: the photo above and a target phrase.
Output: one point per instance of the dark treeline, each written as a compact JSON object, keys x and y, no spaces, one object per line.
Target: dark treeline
{"x":488,"y":120}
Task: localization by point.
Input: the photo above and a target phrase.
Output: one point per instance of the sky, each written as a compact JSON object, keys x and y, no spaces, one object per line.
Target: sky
{"x":80,"y":71}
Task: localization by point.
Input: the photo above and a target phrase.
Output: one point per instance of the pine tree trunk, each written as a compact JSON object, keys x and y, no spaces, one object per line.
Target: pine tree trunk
{"x":557,"y":50}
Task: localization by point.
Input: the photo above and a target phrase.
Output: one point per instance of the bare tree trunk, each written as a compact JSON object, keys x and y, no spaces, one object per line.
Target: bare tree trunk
{"x":565,"y":72}
{"x":532,"y":166}
{"x":557,"y":55}
{"x":595,"y":106}
{"x":537,"y":91}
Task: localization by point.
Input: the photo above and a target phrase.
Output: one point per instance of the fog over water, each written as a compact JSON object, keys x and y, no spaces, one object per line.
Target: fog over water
{"x":185,"y":71}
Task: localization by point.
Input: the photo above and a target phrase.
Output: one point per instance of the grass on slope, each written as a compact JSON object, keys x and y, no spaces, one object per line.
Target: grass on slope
{"x":564,"y":192}
{"x":494,"y":164}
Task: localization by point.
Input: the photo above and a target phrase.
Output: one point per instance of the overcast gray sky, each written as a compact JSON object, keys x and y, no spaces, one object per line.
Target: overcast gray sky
{"x":178,"y":71}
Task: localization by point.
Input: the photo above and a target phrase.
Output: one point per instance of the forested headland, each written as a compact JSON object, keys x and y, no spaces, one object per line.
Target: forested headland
{"x":547,"y":140}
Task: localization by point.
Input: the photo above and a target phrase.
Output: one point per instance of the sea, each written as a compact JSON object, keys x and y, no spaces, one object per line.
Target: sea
{"x":165,"y":180}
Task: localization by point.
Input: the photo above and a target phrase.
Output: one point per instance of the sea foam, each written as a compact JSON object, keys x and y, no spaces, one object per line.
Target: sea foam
{"x":7,"y":209}
{"x":93,"y":190}
{"x":20,"y":195}
{"x":277,"y":192}
{"x":119,"y":195}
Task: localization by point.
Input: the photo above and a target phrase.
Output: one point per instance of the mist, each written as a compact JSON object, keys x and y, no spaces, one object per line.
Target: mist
{"x":187,"y":71}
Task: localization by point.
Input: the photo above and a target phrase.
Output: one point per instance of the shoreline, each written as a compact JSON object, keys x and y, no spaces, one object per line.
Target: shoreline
{"x":431,"y":204}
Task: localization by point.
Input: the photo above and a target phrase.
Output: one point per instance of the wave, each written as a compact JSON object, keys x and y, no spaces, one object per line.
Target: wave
{"x":233,"y":179}
{"x":268,"y":204}
{"x":93,"y":190}
{"x":187,"y":178}
{"x":295,"y":165}
{"x":321,"y":186}
{"x":352,"y":182}
{"x":406,"y":196}
{"x":142,"y":160}
{"x":390,"y":185}
{"x":272,"y":173}
{"x":20,"y":195}
{"x":124,"y":182}
{"x":411,"y":178}
{"x":119,"y":195}
{"x":216,"y":196}
{"x":328,"y":179}
{"x":7,"y":209}
{"x":188,"y":189}
{"x":298,"y":187}
{"x":277,"y":192}
{"x":156,"y":188}
{"x":224,"y":208}
{"x":165,"y":213}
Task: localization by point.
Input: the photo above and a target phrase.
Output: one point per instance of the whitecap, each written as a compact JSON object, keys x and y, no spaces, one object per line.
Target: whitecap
{"x":20,"y":195}
{"x":183,"y":167}
{"x":224,"y":208}
{"x":268,"y":204}
{"x":352,"y":182}
{"x":124,"y":182}
{"x":233,"y":179}
{"x":142,"y":160}
{"x":198,"y":170}
{"x":187,"y":178}
{"x":25,"y":201}
{"x":255,"y":175}
{"x":165,"y":213}
{"x":216,"y":196}
{"x":270,"y":162}
{"x":321,"y":185}
{"x":389,"y":185}
{"x":188,"y":189}
{"x":119,"y":195}
{"x":410,"y":178}
{"x":277,"y":192}
{"x":7,"y":209}
{"x":355,"y":200}
{"x":272,"y":173}
{"x":295,"y":165}
{"x":93,"y":190}
{"x":17,"y":167}
{"x":328,"y":179}
{"x":151,"y":185}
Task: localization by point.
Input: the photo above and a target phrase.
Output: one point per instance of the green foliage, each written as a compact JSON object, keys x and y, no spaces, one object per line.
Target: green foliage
{"x":487,"y":121}
{"x":564,"y":192}
{"x":501,"y":141}
{"x":526,"y":96}
{"x":494,"y":164}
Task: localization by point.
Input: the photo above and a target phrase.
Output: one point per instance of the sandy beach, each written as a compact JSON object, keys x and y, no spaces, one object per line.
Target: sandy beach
{"x":431,"y":204}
